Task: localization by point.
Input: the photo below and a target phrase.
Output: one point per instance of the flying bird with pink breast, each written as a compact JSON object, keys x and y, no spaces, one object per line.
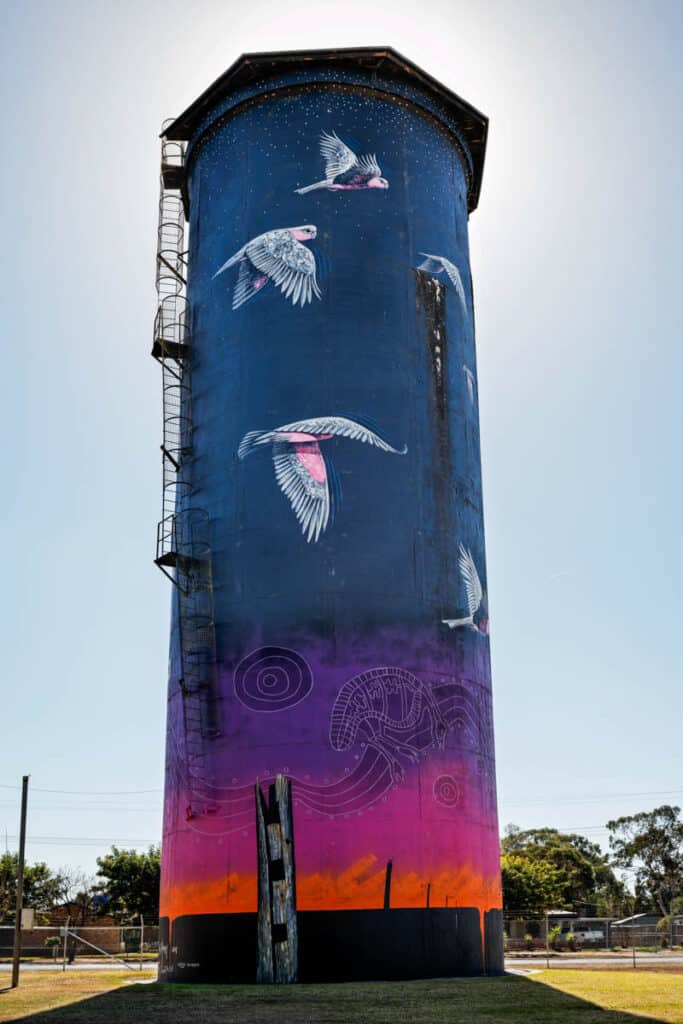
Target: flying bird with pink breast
{"x":439,"y":264}
{"x":280,"y":257}
{"x":344,"y":171}
{"x":304,"y":474}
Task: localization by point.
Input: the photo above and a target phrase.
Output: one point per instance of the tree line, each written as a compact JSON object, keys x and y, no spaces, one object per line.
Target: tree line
{"x":543,"y":869}
{"x":126,"y":885}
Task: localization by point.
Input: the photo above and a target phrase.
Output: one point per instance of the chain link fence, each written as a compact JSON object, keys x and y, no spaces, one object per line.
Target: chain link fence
{"x":587,"y":938}
{"x":49,"y":942}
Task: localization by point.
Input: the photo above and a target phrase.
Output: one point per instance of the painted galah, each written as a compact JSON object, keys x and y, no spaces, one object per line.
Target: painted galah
{"x":276,"y":256}
{"x":477,"y":605}
{"x":436,"y":265}
{"x":304,"y":474}
{"x":344,"y":170}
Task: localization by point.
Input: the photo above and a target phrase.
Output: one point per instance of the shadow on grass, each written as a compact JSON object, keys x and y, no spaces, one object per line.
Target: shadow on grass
{"x":509,"y":999}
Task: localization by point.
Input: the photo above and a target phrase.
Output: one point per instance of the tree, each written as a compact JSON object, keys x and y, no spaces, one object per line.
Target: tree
{"x":79,"y":893}
{"x":529,"y":887}
{"x":131,"y":883}
{"x":42,"y":888}
{"x":581,"y":875}
{"x":652,"y":843}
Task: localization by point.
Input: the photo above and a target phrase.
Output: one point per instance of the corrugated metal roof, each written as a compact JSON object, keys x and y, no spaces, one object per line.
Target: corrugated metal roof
{"x":634,"y":919}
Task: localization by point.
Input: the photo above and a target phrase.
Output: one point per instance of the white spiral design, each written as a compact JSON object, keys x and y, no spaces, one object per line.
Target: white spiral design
{"x":272,"y":679}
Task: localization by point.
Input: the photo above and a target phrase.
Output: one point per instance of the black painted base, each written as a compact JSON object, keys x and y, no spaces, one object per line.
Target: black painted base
{"x":339,"y":945}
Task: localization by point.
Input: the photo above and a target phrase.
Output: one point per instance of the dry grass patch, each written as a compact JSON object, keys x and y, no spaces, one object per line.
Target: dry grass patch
{"x":45,"y":990}
{"x":655,"y":993}
{"x":553,"y":997}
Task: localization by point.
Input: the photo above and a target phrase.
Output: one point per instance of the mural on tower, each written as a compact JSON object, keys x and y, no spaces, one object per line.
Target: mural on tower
{"x":344,"y":171}
{"x":352,"y":644}
{"x":276,"y":256}
{"x":303,"y":473}
{"x":439,"y":264}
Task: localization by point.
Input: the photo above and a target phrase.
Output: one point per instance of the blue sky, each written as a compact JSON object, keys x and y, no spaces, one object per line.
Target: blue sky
{"x":576,"y":263}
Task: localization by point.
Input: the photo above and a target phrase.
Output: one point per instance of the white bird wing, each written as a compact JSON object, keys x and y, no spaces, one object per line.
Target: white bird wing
{"x":469,"y":377}
{"x":456,"y":280}
{"x":309,"y":498}
{"x":437,"y":263}
{"x":470,"y":577}
{"x":368,"y":165}
{"x":251,"y":441}
{"x":288,"y":264}
{"x":433,"y":264}
{"x":341,"y":426}
{"x":337,"y":155}
{"x":229,"y":263}
{"x":246,"y":286}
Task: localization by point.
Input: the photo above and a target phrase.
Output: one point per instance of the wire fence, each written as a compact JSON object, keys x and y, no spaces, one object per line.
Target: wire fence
{"x":56,"y":942}
{"x":603,"y":939}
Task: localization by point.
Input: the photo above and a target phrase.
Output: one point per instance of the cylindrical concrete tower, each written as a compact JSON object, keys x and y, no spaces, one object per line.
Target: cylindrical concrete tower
{"x":323,"y":520}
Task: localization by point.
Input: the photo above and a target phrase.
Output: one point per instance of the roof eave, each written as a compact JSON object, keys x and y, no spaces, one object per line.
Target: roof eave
{"x":181,"y":127}
{"x":251,"y":66}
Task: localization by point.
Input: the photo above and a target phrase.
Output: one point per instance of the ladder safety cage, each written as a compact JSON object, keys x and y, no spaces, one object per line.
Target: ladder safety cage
{"x":183,"y":549}
{"x":171,"y":348}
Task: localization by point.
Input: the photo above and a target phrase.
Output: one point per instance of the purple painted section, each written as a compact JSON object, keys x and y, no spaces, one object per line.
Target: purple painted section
{"x":365,"y":748}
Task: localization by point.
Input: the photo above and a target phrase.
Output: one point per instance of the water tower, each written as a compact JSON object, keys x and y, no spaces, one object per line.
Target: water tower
{"x":322,"y":520}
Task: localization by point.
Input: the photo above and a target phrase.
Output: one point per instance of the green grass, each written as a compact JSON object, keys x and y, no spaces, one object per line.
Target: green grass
{"x":551,"y":997}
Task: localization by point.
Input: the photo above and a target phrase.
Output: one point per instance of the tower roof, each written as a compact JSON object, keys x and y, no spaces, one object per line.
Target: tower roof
{"x":381,"y":61}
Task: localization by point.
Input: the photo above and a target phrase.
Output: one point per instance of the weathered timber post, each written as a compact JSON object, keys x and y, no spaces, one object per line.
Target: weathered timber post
{"x":278,"y":959}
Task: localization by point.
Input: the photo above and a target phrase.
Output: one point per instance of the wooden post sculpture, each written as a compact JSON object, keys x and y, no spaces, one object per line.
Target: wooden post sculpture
{"x":277,"y":930}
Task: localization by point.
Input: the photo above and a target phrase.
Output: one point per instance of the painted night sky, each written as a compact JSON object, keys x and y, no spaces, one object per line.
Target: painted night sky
{"x":347,"y":538}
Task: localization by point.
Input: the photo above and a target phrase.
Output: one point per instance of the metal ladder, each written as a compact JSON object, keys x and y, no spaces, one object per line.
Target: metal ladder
{"x":183,"y":549}
{"x":171,"y":348}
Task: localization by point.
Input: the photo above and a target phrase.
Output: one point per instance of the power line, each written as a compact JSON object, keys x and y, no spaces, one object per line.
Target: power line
{"x":83,"y":840}
{"x":87,"y":792}
{"x":591,"y":799}
{"x":100,"y":807}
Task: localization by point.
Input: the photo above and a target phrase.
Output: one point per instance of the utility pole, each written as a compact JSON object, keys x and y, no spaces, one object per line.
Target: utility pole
{"x":66,"y":939}
{"x":20,"y":884}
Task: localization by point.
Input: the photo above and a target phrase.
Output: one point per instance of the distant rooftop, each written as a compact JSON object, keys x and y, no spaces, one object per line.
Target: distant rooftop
{"x":382,"y":64}
{"x":634,"y":919}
